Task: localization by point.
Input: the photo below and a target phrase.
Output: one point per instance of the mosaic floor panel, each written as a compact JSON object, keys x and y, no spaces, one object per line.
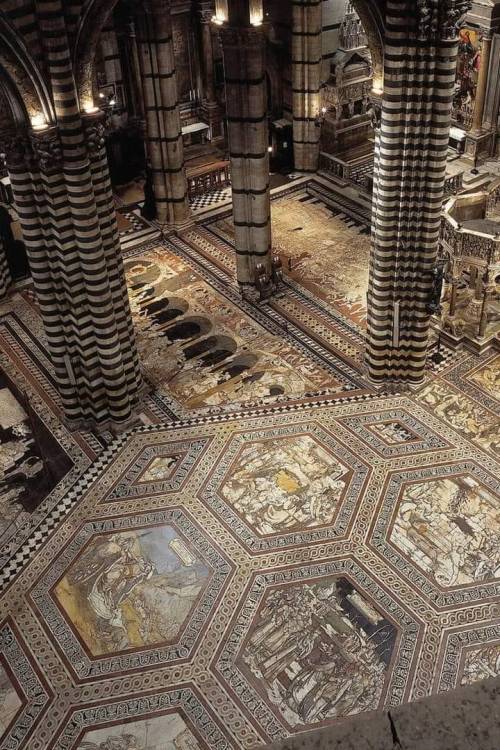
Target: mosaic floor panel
{"x":202,"y":347}
{"x":324,"y":249}
{"x":348,"y":553}
{"x":278,"y":547}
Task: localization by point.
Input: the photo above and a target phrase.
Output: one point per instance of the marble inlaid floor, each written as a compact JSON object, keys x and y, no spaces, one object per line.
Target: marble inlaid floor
{"x":247,"y":565}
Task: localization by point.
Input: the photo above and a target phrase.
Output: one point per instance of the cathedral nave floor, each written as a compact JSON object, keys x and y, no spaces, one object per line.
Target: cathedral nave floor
{"x":278,"y":546}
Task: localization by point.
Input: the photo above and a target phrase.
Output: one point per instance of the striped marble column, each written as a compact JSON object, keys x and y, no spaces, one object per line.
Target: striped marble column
{"x":161,"y":107}
{"x":306,"y":79}
{"x":246,"y":110}
{"x":61,"y":190}
{"x":5,"y":277}
{"x":410,"y":163}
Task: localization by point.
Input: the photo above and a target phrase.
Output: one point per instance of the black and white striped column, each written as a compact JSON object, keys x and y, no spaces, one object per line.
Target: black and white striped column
{"x":244,"y":72}
{"x":161,"y":106}
{"x":306,"y":79}
{"x":5,"y":277}
{"x":62,"y":194}
{"x":410,"y":163}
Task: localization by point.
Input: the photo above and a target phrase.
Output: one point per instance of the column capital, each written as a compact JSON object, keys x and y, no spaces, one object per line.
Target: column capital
{"x":205,"y":16}
{"x":47,"y":149}
{"x":206,"y":11}
{"x":94,"y":126}
{"x":33,"y":149}
{"x":440,"y":21}
{"x":156,"y":7}
{"x":16,"y":146}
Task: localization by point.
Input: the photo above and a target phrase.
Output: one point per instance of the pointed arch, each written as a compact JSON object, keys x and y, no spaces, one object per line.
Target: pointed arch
{"x":94,"y":18}
{"x":21,"y":74}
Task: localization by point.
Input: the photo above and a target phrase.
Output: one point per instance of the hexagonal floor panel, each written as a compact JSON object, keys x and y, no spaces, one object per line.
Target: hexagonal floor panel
{"x":441,"y":526}
{"x":317,"y":643}
{"x":295,"y":487}
{"x":138,"y":589}
{"x":24,"y":695}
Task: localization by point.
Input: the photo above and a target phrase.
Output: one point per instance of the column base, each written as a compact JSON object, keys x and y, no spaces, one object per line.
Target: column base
{"x":182,"y":226}
{"x":109,"y":425}
{"x":394,"y":385}
{"x":251,"y":293}
{"x":479,"y":145}
{"x":178,"y":228}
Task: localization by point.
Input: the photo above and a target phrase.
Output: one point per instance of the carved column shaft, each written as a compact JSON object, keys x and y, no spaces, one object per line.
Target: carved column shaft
{"x":244,"y":71}
{"x":208,"y":55}
{"x":453,"y":295}
{"x":131,"y":68}
{"x":487,"y":290}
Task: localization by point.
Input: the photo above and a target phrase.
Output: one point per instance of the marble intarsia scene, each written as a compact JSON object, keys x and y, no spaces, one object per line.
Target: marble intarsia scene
{"x":228,"y":581}
{"x":168,"y":731}
{"x":320,"y":651}
{"x":325,"y":251}
{"x":10,"y":701}
{"x":204,"y":351}
{"x":131,"y":589}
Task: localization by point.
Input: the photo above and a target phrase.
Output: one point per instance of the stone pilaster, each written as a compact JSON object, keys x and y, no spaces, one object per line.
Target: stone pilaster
{"x":306,"y":79}
{"x":244,"y":72}
{"x":210,"y":108}
{"x":161,"y":106}
{"x":410,"y":162}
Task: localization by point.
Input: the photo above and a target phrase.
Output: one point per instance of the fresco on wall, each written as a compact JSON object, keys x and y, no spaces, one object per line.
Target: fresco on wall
{"x":468,"y":66}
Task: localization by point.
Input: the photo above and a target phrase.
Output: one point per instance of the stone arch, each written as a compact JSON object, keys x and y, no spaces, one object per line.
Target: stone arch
{"x":92,"y":22}
{"x":13,"y":112}
{"x":23,"y":83}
